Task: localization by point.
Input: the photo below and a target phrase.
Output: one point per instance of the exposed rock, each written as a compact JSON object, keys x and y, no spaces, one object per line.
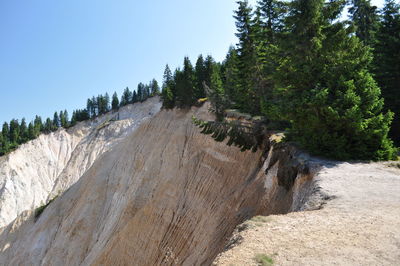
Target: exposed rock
{"x":43,"y":168}
{"x":166,"y":194}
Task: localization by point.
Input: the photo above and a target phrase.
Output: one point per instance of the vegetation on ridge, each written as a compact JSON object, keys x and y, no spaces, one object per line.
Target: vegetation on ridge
{"x":14,"y":133}
{"x":297,"y":63}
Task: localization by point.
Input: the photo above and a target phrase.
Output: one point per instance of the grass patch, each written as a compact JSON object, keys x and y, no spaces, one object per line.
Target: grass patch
{"x":40,"y":210}
{"x":264,"y":260}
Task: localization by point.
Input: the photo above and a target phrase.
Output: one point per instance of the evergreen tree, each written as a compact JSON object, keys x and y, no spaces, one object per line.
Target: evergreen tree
{"x":387,"y":62}
{"x":126,"y":97}
{"x":74,"y":119}
{"x":106,"y":103}
{"x":31,"y":131}
{"x":65,"y":119}
{"x":247,"y":98}
{"x":230,"y":74}
{"x":115,"y":101}
{"x":328,"y":94}
{"x":23,"y":132}
{"x":38,"y":126}
{"x":167,"y":94}
{"x":185,"y":81}
{"x":56,"y":121}
{"x":14,"y":132}
{"x":201,"y":76}
{"x":141,"y":92}
{"x":48,"y":126}
{"x":134,"y":97}
{"x":155,"y":88}
{"x":365,"y":18}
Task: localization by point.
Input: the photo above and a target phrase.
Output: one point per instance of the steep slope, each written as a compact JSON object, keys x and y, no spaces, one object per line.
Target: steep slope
{"x":46,"y":166}
{"x":166,"y":194}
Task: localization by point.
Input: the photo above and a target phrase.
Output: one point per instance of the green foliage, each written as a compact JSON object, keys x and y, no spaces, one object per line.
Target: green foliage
{"x":365,"y":18}
{"x":41,"y":209}
{"x":115,"y":101}
{"x":386,"y":62}
{"x":264,"y":260}
{"x":246,"y":136}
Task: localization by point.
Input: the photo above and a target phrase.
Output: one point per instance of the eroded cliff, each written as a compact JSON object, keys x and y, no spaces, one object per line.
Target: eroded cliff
{"x":46,"y":166}
{"x":165,"y":194}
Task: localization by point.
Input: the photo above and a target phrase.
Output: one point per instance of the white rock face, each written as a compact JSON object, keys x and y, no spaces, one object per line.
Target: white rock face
{"x":45,"y":167}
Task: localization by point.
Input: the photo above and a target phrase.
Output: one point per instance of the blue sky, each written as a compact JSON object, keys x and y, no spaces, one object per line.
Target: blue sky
{"x":56,"y":54}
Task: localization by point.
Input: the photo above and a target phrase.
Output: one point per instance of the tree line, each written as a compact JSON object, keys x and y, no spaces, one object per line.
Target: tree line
{"x":334,"y":83}
{"x":16,"y":133}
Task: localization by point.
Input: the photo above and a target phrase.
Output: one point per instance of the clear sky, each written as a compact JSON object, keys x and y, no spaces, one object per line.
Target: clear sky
{"x":56,"y":54}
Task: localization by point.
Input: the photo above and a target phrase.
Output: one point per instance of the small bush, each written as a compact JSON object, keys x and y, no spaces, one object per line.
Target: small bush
{"x":264,"y":260}
{"x":40,"y":210}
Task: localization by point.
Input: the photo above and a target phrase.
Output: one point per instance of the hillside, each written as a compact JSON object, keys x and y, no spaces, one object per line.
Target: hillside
{"x":156,"y":191}
{"x":165,"y":194}
{"x":46,"y":166}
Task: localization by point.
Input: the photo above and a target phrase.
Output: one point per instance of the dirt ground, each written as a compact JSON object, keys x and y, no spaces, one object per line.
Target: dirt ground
{"x":359,"y":225}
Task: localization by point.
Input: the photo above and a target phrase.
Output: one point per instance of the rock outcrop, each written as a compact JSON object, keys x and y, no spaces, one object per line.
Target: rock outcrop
{"x":43,"y":168}
{"x":165,"y":194}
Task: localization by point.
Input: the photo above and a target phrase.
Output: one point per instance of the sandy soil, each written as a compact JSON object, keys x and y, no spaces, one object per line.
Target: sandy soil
{"x":359,"y":225}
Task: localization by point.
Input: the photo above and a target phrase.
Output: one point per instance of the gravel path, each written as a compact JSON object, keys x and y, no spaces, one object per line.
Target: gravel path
{"x":359,"y":226}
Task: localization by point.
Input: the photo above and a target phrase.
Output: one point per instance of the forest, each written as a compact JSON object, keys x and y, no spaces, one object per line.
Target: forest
{"x":331,"y":83}
{"x":16,"y":133}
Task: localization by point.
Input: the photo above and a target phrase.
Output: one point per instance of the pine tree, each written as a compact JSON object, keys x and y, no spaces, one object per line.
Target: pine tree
{"x":167,"y":94}
{"x":387,"y":62}
{"x":23,"y":129}
{"x":14,"y":132}
{"x":106,"y":103}
{"x":48,"y":126}
{"x":126,"y":97}
{"x":74,"y":119}
{"x":141,"y":92}
{"x":365,"y":18}
{"x":327,"y":92}
{"x":37,"y":125}
{"x":115,"y":101}
{"x":56,"y":121}
{"x":65,"y":119}
{"x":247,"y":98}
{"x":201,"y":76}
{"x":31,"y":131}
{"x":155,"y":88}
{"x":134,"y":97}
{"x":185,"y":81}
{"x":230,"y":74}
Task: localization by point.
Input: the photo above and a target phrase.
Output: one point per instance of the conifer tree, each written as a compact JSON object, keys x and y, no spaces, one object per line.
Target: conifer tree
{"x":141,"y":92}
{"x":327,"y":92}
{"x":31,"y":131}
{"x":246,"y":95}
{"x":38,"y":125}
{"x":134,"y":97}
{"x":155,"y":88}
{"x":185,"y":82}
{"x":56,"y":121}
{"x":126,"y":97}
{"x":201,"y":76}
{"x":115,"y":101}
{"x":48,"y":126}
{"x":230,"y":74}
{"x":387,"y":62}
{"x":167,"y":94}
{"x":23,"y":132}
{"x":365,"y":18}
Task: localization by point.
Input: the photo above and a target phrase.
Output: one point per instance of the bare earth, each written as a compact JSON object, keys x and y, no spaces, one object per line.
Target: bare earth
{"x":359,"y":225}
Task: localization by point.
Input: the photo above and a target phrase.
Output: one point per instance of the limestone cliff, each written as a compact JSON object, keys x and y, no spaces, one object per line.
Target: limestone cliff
{"x":164,"y":194}
{"x":46,"y":166}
